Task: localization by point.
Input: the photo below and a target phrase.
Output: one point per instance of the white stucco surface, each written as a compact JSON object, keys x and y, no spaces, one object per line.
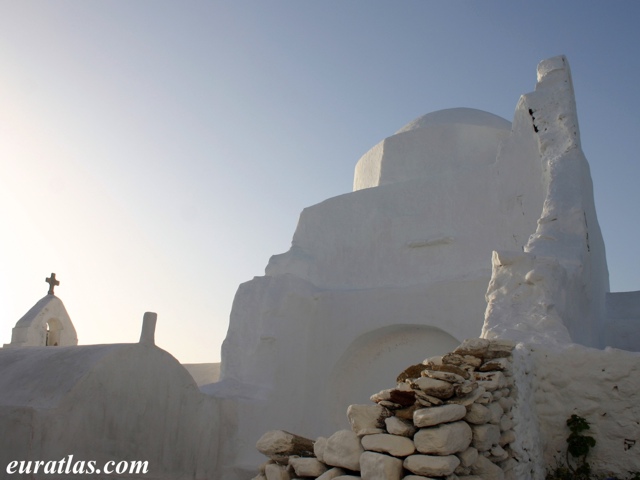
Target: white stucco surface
{"x":554,"y":291}
{"x":203,"y":373}
{"x":379,"y":278}
{"x":106,"y":402}
{"x":375,"y":280}
{"x":47,"y":321}
{"x":455,"y":139}
{"x":601,"y":386}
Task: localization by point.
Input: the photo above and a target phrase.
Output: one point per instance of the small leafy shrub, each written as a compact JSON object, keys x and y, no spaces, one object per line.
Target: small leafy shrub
{"x":578,"y":446}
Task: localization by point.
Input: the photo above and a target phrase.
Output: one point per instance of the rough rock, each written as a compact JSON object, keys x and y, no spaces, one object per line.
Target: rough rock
{"x":332,"y":473}
{"x":500,"y":348}
{"x":468,"y":457}
{"x":427,"y":465}
{"x":444,"y":439}
{"x":473,"y":346}
{"x":277,"y":472}
{"x":486,"y":469}
{"x":496,"y":413}
{"x":465,"y":388}
{"x":278,"y":444}
{"x":506,"y":438}
{"x":375,"y":466}
{"x":413,"y":371}
{"x":448,"y":368}
{"x":318,"y":448}
{"x":398,"y":426}
{"x":468,"y":399}
{"x":387,"y":443}
{"x":496,"y":365}
{"x":485,"y":436}
{"x":445,"y":376}
{"x":343,"y":450}
{"x":417,"y":477}
{"x":307,"y":467}
{"x":433,"y":387}
{"x":477,"y":414}
{"x":402,"y":396}
{"x":367,"y":419}
{"x":490,"y":380}
{"x":498,"y":454}
{"x":426,"y":417}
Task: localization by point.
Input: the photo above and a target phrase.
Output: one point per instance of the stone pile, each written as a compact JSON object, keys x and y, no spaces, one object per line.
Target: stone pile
{"x":447,"y":418}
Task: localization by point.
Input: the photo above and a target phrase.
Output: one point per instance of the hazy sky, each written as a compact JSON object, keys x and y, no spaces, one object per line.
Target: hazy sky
{"x":155,"y":154}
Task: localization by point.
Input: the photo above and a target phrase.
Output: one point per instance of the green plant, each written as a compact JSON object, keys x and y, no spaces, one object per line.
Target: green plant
{"x":578,"y":446}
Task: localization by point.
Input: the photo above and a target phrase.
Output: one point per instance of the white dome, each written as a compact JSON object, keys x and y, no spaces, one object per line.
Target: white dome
{"x":465,"y":116}
{"x":452,"y":140}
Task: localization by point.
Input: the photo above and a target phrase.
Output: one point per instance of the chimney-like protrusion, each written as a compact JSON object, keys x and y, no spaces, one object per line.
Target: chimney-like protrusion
{"x":147,"y":336}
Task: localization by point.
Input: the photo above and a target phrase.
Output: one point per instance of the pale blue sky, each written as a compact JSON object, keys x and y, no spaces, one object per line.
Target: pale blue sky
{"x":154,"y":154}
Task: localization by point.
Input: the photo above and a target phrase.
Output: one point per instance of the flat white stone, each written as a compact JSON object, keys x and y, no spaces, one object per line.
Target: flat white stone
{"x":477,"y":414}
{"x":278,"y":443}
{"x":417,"y":477}
{"x":318,"y":448}
{"x":431,"y":465}
{"x":498,"y":454}
{"x":376,"y":466}
{"x":486,"y":469}
{"x":343,"y":450}
{"x":445,"y":439}
{"x":307,"y":467}
{"x":436,"y":388}
{"x":485,"y":399}
{"x":473,"y":346}
{"x":468,"y":457}
{"x":277,"y":472}
{"x":497,"y":364}
{"x":365,"y":419}
{"x":496,"y":413}
{"x":386,"y":443}
{"x":490,"y":380}
{"x":444,"y":376}
{"x":507,"y":437}
{"x":506,"y":403}
{"x":485,"y":436}
{"x":506,"y":423}
{"x":470,"y":398}
{"x":331,"y":474}
{"x":426,"y":417}
{"x":398,"y":426}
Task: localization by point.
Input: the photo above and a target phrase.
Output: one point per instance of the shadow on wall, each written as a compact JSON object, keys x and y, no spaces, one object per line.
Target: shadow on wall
{"x":373,"y":361}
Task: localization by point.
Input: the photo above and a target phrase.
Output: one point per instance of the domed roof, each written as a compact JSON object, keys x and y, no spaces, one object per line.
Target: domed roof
{"x":467,"y":116}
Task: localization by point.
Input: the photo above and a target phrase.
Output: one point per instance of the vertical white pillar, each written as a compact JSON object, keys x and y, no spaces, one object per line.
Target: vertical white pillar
{"x":147,"y":336}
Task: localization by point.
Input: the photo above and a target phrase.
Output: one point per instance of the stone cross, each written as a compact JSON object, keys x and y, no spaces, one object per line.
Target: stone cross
{"x":52,"y":283}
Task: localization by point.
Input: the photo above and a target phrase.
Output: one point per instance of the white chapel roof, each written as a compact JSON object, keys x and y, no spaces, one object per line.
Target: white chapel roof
{"x":462,"y":115}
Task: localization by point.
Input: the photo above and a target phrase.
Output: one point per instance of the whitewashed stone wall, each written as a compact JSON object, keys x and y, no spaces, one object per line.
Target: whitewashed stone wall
{"x":602,"y":386}
{"x":448,"y":417}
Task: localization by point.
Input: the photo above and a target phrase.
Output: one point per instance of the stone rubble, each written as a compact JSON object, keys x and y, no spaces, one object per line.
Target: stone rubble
{"x":448,"y":418}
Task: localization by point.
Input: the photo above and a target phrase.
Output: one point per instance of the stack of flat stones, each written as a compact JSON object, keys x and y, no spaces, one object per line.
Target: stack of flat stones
{"x":447,"y":418}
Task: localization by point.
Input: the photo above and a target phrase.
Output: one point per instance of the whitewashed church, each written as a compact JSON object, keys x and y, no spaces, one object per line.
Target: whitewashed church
{"x":460,"y":225}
